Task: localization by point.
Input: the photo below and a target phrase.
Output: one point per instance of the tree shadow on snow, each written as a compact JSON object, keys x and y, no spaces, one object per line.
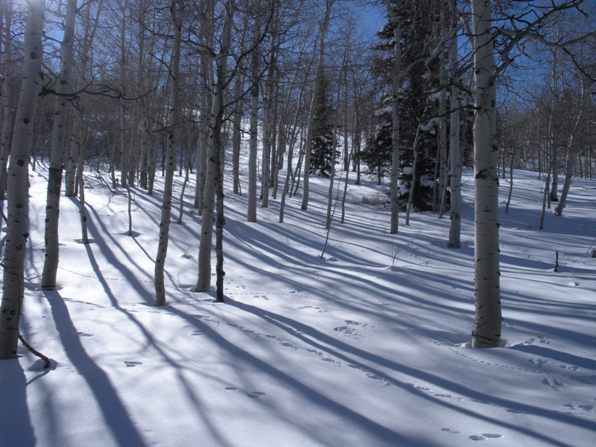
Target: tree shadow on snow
{"x":112,"y":409}
{"x":15,"y":426}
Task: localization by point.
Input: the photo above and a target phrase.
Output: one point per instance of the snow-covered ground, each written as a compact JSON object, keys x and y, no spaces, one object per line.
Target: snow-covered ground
{"x":366,"y":347}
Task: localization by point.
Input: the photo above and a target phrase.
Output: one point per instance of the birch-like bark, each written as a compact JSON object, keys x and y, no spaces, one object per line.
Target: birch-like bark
{"x":268,"y":121}
{"x":218,"y":149}
{"x":310,"y":125}
{"x":570,"y":164}
{"x":455,"y":156}
{"x":395,"y":130}
{"x":170,"y":160}
{"x":17,"y":231}
{"x":443,"y":166}
{"x":414,"y":166}
{"x":554,"y":140}
{"x":251,"y":214}
{"x":237,"y":135}
{"x":50,"y":265}
{"x":487,"y":328}
{"x":8,"y":109}
{"x":213,"y":174}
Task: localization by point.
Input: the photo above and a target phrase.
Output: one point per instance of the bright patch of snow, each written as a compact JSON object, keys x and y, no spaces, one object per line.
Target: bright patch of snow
{"x":368,"y":347}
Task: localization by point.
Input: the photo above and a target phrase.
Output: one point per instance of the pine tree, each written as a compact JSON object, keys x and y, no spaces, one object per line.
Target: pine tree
{"x":417,"y":104}
{"x":322,"y":145}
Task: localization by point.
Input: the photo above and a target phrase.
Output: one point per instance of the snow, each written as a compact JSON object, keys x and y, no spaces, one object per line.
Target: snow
{"x":367,"y":346}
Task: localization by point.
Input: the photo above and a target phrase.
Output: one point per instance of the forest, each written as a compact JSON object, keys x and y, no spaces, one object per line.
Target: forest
{"x":297,"y":222}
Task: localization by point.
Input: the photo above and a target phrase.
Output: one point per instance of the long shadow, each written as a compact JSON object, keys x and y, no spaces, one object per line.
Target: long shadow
{"x":190,"y":392}
{"x":341,"y":350}
{"x":112,"y":258}
{"x":112,"y":409}
{"x":15,"y":426}
{"x":382,"y":434}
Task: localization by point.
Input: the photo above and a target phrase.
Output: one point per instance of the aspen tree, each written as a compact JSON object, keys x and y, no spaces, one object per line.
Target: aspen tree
{"x":213,"y":172}
{"x":50,"y":266}
{"x":309,"y":132}
{"x":166,"y":207}
{"x":487,"y":328}
{"x":18,"y":184}
{"x":455,"y":158}
{"x":251,"y":213}
{"x":219,"y":147}
{"x":396,"y":76}
{"x":8,"y":109}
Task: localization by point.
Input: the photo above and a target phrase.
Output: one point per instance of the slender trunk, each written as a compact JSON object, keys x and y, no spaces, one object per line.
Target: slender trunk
{"x":237,"y":135}
{"x":310,"y":125}
{"x":487,"y":328}
{"x":443,"y":166}
{"x":569,"y":167}
{"x":50,"y":266}
{"x":214,"y":179}
{"x":170,"y":159}
{"x":544,"y":200}
{"x":81,"y":183}
{"x":268,"y":123}
{"x":184,"y":183}
{"x":8,"y":109}
{"x":554,"y":140}
{"x":17,"y":231}
{"x":414,"y":166}
{"x":395,"y":132}
{"x":253,"y":148}
{"x":510,"y":182}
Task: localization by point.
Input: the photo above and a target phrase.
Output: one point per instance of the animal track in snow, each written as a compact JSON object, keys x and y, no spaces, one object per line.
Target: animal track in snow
{"x":450,"y":431}
{"x":256,"y":394}
{"x":132,"y":363}
{"x":485,"y":436}
{"x":349,"y":328}
{"x":554,"y":384}
{"x":580,"y":407}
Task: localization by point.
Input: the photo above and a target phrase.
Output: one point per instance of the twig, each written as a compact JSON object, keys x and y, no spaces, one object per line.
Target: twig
{"x":35,"y":352}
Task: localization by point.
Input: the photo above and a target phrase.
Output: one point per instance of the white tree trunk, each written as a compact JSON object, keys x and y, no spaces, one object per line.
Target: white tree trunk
{"x":219,"y":149}
{"x":487,"y":329}
{"x":50,"y":266}
{"x":166,"y":207}
{"x":309,"y":132}
{"x":214,"y":174}
{"x":251,"y":215}
{"x":395,"y":130}
{"x":455,"y":156}
{"x":8,"y":108}
{"x":18,"y":185}
{"x":570,"y":165}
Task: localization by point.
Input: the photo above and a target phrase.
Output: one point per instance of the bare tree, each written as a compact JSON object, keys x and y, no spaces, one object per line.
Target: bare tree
{"x":176,"y":7}
{"x":50,"y":266}
{"x":18,"y":185}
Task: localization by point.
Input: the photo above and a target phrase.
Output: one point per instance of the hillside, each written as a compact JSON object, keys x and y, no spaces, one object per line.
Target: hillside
{"x":367,"y":346}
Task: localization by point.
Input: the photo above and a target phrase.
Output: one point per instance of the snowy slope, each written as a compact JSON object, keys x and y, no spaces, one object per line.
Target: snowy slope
{"x":365,"y":347}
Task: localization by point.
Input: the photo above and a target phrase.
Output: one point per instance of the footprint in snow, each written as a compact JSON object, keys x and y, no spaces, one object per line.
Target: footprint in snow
{"x":580,"y":407}
{"x":346,"y":330}
{"x":554,"y":384}
{"x":256,"y":394}
{"x":450,"y":431}
{"x":132,"y":364}
{"x":485,"y":436}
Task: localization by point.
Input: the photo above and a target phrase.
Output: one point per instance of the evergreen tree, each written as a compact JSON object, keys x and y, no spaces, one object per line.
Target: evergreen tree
{"x":322,"y":137}
{"x":417,"y":104}
{"x":377,"y":153}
